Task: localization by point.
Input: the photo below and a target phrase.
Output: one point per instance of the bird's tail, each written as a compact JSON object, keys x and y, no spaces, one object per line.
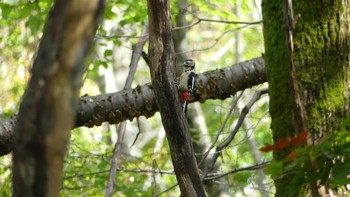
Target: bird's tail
{"x":184,"y":107}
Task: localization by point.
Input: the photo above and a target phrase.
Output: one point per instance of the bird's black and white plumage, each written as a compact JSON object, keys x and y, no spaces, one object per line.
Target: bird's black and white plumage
{"x":187,"y":82}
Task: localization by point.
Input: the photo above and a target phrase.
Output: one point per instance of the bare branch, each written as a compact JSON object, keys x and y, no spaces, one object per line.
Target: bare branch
{"x":136,"y":55}
{"x":75,"y":175}
{"x":153,"y":170}
{"x":140,"y":101}
{"x":233,"y":133}
{"x":215,"y":41}
{"x":199,"y":20}
{"x":100,"y":36}
{"x":210,"y":176}
{"x":166,"y":190}
{"x":258,"y":166}
{"x":221,"y":128}
{"x":230,"y":22}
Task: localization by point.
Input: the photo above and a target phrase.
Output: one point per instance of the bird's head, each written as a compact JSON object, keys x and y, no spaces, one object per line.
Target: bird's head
{"x":189,"y":64}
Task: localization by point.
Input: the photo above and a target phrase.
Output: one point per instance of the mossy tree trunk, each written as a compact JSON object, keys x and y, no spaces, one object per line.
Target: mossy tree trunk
{"x":321,"y":58}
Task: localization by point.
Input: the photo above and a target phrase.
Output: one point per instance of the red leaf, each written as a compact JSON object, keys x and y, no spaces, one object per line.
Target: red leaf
{"x":293,"y":154}
{"x":268,"y":148}
{"x":300,"y":140}
{"x":282,"y":143}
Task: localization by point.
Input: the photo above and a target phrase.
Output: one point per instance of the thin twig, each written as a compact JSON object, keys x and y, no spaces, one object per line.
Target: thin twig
{"x":122,"y":126}
{"x":138,"y":133}
{"x":233,"y":106}
{"x":115,"y":159}
{"x":219,"y":175}
{"x":100,"y":36}
{"x":233,"y":133}
{"x":215,"y":41}
{"x":213,"y":176}
{"x":153,"y":170}
{"x":166,"y":190}
{"x":214,"y":21}
{"x":154,"y":180}
{"x":85,"y":174}
{"x":199,"y":20}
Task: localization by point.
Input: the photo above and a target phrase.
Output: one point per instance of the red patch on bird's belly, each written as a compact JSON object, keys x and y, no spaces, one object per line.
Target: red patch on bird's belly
{"x":185,"y":96}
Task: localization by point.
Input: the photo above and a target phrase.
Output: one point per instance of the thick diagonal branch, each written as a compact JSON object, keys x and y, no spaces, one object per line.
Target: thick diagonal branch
{"x":162,"y":64}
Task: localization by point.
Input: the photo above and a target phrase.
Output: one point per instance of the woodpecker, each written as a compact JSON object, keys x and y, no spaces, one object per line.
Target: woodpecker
{"x":186,"y":82}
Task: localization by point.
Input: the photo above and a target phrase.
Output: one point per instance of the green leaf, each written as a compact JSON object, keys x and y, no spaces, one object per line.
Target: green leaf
{"x":274,"y":168}
{"x":107,"y":53}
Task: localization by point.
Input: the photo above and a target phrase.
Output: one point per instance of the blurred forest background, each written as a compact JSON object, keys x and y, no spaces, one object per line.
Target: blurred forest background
{"x":216,"y":34}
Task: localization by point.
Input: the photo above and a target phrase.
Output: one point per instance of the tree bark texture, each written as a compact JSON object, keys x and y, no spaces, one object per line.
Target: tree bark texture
{"x":162,"y":63}
{"x":49,"y":105}
{"x":140,"y":101}
{"x":321,"y":58}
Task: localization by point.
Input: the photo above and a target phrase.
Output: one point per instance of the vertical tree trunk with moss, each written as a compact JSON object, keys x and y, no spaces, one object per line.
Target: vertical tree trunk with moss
{"x":321,"y":57}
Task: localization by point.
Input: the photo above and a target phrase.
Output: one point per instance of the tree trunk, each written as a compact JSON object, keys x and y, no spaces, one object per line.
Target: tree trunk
{"x":321,"y":53}
{"x":49,"y":105}
{"x":162,"y":64}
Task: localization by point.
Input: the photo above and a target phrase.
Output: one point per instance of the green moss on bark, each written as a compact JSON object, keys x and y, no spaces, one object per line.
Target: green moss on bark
{"x":276,"y":61}
{"x":322,"y":59}
{"x":321,"y":55}
{"x":277,"y":68}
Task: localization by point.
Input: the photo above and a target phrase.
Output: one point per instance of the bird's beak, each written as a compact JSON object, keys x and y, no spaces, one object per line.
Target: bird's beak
{"x":181,"y":65}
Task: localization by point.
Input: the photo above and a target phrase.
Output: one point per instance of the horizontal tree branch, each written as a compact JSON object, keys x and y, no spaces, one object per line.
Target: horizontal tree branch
{"x":209,"y":176}
{"x":199,"y":20}
{"x":140,"y":101}
{"x":257,"y":166}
